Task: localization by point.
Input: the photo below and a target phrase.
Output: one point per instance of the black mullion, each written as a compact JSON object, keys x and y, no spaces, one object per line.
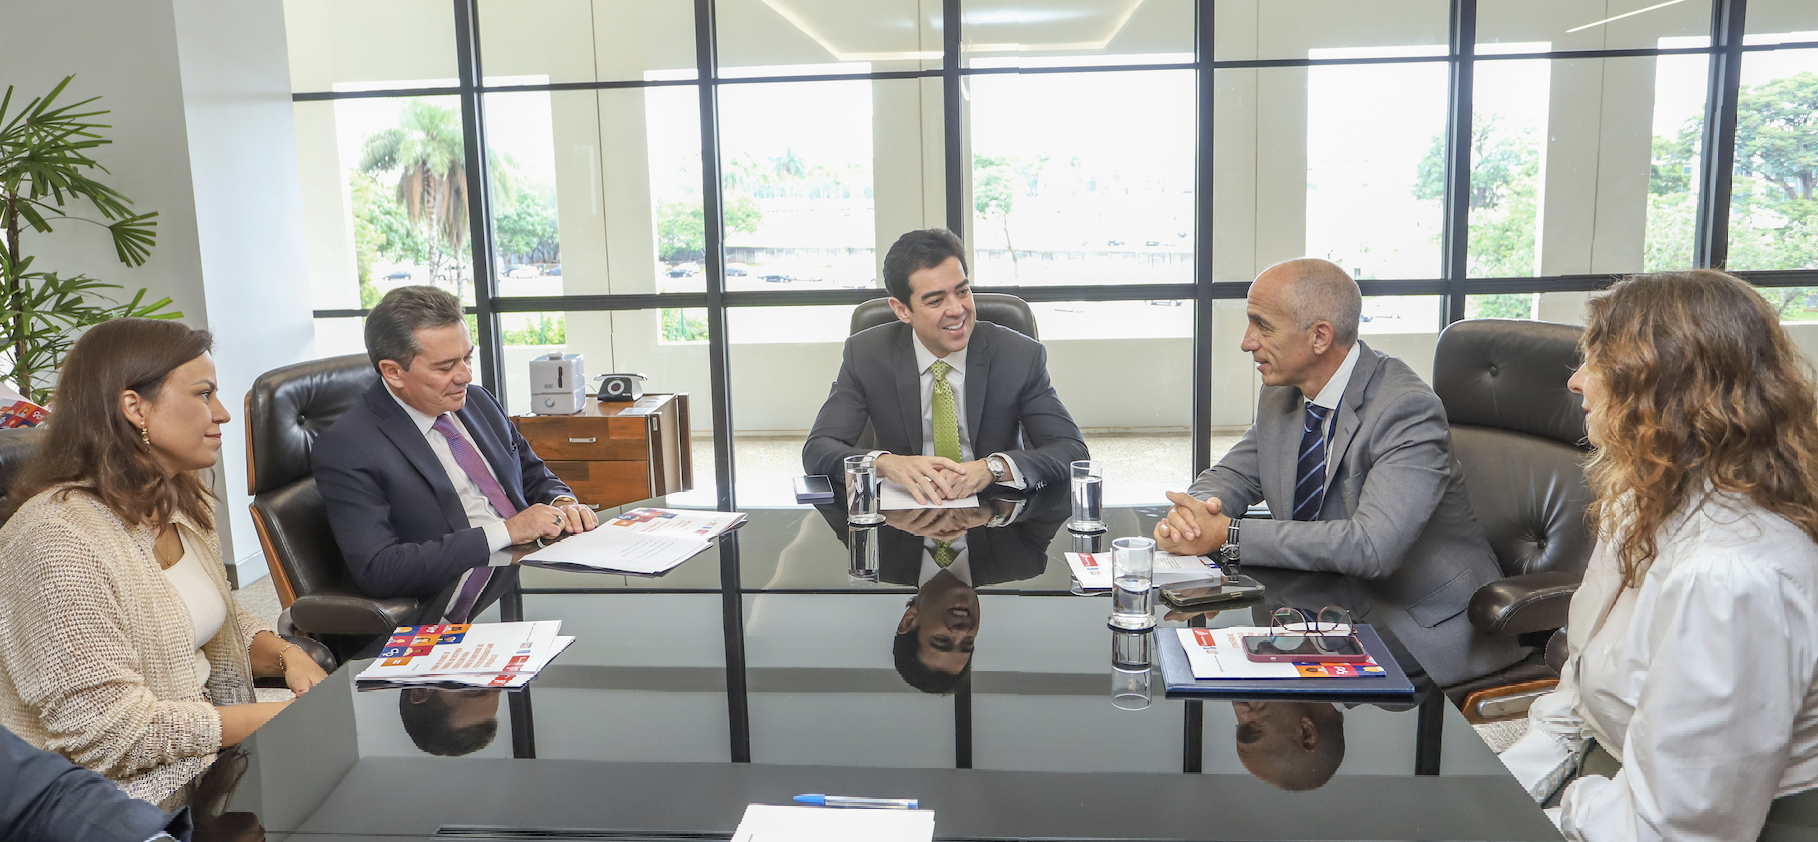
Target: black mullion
{"x":1203,"y":227}
{"x":957,"y":165}
{"x":1717,"y":148}
{"x":1456,"y":239}
{"x":719,"y":361}
{"x":479,"y":196}
{"x":319,"y":96}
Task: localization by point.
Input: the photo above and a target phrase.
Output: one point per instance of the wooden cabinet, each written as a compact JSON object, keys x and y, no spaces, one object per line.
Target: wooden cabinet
{"x":615,"y":453}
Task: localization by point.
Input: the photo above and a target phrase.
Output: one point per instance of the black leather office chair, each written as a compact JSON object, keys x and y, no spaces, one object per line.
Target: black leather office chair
{"x":285,"y":410}
{"x":997,"y":308}
{"x":1520,"y":435}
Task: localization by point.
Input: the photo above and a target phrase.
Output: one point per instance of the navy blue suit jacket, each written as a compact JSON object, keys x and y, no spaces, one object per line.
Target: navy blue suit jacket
{"x":43,"y":796}
{"x":400,"y":526}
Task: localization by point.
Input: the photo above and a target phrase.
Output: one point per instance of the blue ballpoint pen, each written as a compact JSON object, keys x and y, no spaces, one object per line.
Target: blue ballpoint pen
{"x":819,"y":800}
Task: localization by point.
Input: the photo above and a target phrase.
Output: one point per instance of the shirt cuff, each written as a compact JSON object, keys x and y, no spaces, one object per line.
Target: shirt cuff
{"x":497,"y":536}
{"x":1016,"y":474}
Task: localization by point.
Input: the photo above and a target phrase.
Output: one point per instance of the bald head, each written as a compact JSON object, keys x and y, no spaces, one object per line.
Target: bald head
{"x":1314,"y":290}
{"x":1295,"y":746}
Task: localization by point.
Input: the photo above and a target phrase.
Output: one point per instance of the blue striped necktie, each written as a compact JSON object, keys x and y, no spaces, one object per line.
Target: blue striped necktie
{"x":1310,"y":469}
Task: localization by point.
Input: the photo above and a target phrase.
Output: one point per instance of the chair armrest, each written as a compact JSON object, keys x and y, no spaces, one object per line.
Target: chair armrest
{"x":349,"y":613}
{"x":1527,"y":603}
{"x":1556,"y":651}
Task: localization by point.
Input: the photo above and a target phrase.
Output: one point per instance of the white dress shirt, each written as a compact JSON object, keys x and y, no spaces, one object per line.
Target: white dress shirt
{"x":479,"y":510}
{"x":961,"y":567}
{"x":956,"y":379}
{"x":1699,"y":681}
{"x":1333,"y":392}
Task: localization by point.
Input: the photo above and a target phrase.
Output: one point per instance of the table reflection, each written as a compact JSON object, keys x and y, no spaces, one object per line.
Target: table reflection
{"x":1295,"y":746}
{"x":450,"y":722}
{"x":947,"y":555}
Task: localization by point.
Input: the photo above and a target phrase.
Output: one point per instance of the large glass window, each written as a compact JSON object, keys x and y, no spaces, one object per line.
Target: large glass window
{"x":1261,"y":29}
{"x":1534,"y":26}
{"x":801,"y":37}
{"x":1051,"y":33}
{"x":1082,"y":178}
{"x":586,"y":41}
{"x":1774,"y":198}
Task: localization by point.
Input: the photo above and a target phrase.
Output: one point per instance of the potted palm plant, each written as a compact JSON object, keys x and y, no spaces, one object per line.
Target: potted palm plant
{"x":46,"y":177}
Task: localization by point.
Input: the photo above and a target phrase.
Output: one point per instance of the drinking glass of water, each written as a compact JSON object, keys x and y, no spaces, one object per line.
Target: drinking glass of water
{"x":1088,"y":497}
{"x":861,"y":491}
{"x":1132,"y":583}
{"x":862,"y":544}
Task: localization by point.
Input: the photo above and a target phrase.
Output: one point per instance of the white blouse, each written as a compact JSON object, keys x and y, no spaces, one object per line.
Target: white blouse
{"x":206,"y":610}
{"x":1700,"y":681}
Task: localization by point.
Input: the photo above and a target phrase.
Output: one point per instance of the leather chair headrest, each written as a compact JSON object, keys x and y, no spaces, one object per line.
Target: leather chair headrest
{"x":288,"y":407}
{"x":1511,"y":374}
{"x":997,"y":308}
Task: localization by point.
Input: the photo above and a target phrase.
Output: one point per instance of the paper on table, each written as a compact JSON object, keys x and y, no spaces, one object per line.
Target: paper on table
{"x":769,"y":823}
{"x":1219,"y":653}
{"x":621,"y":550}
{"x":1093,"y":570}
{"x":893,"y":497}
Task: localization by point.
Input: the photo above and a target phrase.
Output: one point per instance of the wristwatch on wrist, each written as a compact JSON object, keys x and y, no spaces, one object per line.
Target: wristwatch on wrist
{"x":565,"y":498}
{"x":1228,"y":558}
{"x":1000,"y":470}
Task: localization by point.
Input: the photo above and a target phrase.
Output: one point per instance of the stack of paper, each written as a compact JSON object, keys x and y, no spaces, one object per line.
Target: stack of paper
{"x":767,"y":823}
{"x":1093,"y":570}
{"x":643,"y":541}
{"x":467,"y":654}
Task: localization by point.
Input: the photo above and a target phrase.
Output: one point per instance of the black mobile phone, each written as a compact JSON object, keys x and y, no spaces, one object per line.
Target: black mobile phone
{"x":1312,"y":648}
{"x":813,"y":489}
{"x":1213,"y":592}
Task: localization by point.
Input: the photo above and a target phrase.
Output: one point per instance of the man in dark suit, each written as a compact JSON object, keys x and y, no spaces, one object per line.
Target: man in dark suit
{"x":1353,"y":454}
{"x":425,"y":478}
{"x":945,"y":393}
{"x":46,"y":798}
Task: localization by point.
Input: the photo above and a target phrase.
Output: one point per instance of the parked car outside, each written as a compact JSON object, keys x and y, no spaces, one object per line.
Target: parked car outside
{"x":737,"y":270}
{"x":399,"y":275}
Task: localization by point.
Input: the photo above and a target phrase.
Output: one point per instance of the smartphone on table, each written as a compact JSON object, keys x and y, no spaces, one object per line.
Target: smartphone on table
{"x":1231,"y":589}
{"x":813,"y":489}
{"x":1305,"y":648}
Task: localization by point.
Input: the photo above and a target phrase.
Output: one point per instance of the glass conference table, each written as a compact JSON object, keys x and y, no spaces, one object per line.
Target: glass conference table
{"x":764,"y":668}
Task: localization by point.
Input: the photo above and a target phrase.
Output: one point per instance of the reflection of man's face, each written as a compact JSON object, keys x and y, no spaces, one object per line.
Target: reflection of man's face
{"x":1293,"y":745}
{"x":944,"y":617}
{"x":450,"y":723}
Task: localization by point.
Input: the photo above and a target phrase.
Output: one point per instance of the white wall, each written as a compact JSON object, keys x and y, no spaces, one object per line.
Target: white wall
{"x":199,"y":92}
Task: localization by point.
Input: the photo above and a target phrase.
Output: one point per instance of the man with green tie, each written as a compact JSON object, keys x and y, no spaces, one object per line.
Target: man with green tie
{"x":957,"y":404}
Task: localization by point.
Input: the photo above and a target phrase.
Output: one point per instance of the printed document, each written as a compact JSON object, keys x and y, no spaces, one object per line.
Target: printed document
{"x":769,"y":823}
{"x":644,"y":541}
{"x":1093,"y":570}
{"x":892,"y":497}
{"x":1219,"y":653}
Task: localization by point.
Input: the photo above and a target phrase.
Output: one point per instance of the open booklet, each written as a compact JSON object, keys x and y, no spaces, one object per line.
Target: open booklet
{"x":476,"y":654}
{"x":1093,"y":570}
{"x":642,"y":541}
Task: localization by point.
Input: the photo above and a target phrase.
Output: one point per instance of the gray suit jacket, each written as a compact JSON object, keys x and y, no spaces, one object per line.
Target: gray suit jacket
{"x":1011,"y":407}
{"x":1395,"y":513}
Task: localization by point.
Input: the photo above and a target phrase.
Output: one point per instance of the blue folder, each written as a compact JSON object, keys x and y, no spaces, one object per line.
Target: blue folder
{"x":1392,"y":685}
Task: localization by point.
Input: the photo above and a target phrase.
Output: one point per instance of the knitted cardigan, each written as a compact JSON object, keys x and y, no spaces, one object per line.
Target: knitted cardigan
{"x":97,"y":654}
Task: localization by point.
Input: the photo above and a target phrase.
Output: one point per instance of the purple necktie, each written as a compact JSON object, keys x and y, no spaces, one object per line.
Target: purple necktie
{"x":475,"y":466}
{"x":460,"y":609}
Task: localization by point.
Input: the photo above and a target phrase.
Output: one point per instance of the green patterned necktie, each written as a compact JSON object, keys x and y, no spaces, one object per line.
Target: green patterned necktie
{"x":943,"y":554}
{"x":946,"y":419}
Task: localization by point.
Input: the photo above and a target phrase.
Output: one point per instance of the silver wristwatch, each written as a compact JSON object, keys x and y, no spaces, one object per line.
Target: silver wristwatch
{"x":1228,"y":558}
{"x":1000,"y":470}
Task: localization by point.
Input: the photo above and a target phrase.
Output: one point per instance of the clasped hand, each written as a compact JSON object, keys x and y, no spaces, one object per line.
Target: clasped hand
{"x":934,"y":479}
{"x":939,"y":524}
{"x":539,"y":520}
{"x":1193,"y":527}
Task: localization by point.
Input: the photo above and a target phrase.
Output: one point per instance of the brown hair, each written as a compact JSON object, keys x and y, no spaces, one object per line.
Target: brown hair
{"x":1700,"y":385}
{"x":92,"y":446}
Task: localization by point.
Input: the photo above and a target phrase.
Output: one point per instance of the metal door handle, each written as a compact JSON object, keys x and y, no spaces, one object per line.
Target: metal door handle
{"x":583,"y":441}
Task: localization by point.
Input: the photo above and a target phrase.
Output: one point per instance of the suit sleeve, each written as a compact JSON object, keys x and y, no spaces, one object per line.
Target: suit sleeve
{"x":540,"y":486}
{"x":1399,"y":495}
{"x":352,"y":483}
{"x":838,"y":426}
{"x":44,"y":796}
{"x":1235,"y":480}
{"x":1053,"y":440}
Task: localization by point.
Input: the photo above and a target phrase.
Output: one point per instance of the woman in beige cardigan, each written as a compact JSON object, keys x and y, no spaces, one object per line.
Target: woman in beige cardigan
{"x":120,"y":645}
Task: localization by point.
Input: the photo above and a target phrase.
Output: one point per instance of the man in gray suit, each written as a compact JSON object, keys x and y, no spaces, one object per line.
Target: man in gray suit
{"x":1353,"y":454}
{"x":957,"y":404}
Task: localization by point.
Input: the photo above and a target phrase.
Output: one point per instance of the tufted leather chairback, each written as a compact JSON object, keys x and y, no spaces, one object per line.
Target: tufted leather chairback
{"x":1519,"y":432}
{"x":285,"y":410}
{"x":288,"y":407}
{"x":17,"y":446}
{"x":997,"y":308}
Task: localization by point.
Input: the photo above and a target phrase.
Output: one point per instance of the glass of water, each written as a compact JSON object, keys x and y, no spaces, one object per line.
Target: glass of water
{"x":861,"y":491}
{"x":1088,"y":497}
{"x":862,"y":544}
{"x":1132,"y":583}
{"x":1130,"y":688}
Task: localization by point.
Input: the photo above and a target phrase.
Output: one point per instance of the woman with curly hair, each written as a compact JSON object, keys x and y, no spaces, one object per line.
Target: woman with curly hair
{"x":1686,"y":706}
